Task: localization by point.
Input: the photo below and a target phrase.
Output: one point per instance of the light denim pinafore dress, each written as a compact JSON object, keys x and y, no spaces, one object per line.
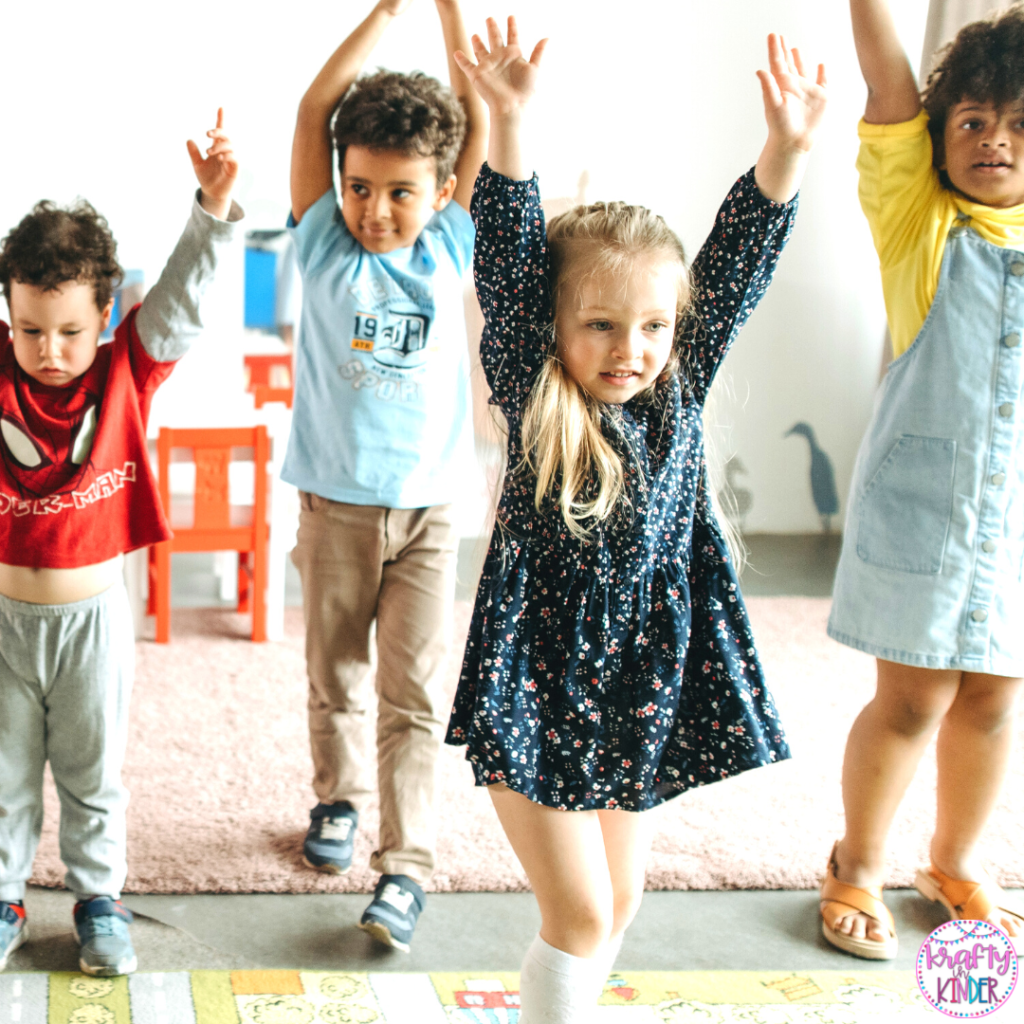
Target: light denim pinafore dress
{"x":930,"y":571}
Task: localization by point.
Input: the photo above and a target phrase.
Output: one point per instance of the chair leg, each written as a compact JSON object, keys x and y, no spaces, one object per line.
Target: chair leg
{"x":259,"y":587}
{"x":244,"y":580}
{"x":163,"y":592}
{"x":151,"y":588}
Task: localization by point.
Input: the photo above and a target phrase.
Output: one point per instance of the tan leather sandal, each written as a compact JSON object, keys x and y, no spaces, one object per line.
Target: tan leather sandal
{"x":966,"y":901}
{"x":839,"y":900}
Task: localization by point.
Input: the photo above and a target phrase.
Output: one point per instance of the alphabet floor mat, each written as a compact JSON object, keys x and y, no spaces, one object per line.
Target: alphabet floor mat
{"x":314,"y":997}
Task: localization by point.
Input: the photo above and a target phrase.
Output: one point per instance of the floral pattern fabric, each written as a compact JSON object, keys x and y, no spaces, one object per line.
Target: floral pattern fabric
{"x":619,"y":672}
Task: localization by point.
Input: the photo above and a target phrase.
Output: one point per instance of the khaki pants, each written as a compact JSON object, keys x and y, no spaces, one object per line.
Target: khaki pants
{"x":361,"y":563}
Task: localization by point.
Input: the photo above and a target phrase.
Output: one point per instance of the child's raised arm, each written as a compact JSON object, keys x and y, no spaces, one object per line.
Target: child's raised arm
{"x":312,"y":153}
{"x":793,"y":107}
{"x":474,"y":147}
{"x":505,"y":82}
{"x":892,"y":88}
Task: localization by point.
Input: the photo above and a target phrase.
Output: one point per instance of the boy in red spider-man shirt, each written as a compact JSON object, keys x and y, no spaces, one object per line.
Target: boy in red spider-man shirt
{"x":76,"y":493}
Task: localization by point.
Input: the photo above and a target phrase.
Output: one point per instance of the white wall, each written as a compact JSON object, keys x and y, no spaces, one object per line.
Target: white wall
{"x":656,"y":99}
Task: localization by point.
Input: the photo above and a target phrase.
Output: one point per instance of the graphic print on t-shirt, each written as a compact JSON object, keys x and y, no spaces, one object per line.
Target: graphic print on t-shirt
{"x":398,"y":340}
{"x":40,"y":463}
{"x":391,"y":325}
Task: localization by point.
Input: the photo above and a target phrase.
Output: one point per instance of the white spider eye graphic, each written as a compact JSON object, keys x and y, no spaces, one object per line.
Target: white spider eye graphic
{"x":20,"y":445}
{"x":83,"y":441}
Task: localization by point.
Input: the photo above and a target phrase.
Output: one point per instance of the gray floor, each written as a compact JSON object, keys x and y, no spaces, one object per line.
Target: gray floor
{"x":755,"y":930}
{"x":464,"y":931}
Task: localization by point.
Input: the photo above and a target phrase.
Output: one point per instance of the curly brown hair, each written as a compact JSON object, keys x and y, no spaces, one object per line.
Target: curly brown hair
{"x":985,"y":62}
{"x":413,"y":114}
{"x":55,"y":244}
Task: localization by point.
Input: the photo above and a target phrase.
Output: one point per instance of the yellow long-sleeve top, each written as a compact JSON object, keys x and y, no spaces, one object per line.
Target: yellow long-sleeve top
{"x":910,"y":214}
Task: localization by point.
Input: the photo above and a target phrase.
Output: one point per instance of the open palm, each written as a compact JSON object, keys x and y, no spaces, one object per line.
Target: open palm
{"x":794,"y":104}
{"x":504,"y":79}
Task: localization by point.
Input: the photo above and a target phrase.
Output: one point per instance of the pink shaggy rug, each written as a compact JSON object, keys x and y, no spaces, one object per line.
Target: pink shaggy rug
{"x":218,"y":767}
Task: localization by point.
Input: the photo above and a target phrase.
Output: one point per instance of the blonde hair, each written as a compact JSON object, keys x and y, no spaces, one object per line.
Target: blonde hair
{"x":576,"y":467}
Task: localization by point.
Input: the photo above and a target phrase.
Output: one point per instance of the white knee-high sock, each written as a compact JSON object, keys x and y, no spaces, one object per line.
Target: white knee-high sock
{"x":557,"y":987}
{"x":606,"y":961}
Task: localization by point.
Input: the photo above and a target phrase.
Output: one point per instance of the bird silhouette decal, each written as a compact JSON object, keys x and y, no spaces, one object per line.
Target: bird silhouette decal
{"x":734,"y":500}
{"x":823,"y":477}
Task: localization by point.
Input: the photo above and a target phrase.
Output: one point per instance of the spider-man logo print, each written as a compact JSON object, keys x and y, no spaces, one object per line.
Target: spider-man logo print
{"x":52,"y":453}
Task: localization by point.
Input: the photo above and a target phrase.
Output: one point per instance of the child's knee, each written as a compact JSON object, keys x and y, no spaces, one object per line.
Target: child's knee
{"x":589,"y":924}
{"x":626,"y":905}
{"x":914,"y":715}
{"x":988,"y":712}
{"x":911,"y":701}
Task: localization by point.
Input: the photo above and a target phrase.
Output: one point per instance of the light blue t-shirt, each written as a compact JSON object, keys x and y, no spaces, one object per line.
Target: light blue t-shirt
{"x":382,"y":400}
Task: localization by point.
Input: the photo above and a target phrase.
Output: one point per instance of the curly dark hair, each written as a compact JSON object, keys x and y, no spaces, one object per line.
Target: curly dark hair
{"x":413,"y":114}
{"x":55,"y":244}
{"x":985,"y":62}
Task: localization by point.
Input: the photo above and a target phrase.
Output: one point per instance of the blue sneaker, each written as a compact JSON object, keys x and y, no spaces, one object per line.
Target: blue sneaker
{"x":106,"y":947}
{"x":13,"y":929}
{"x":391,"y":918}
{"x":331,"y":837}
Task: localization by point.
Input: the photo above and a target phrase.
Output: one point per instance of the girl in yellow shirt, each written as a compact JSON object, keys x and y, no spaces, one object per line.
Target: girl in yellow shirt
{"x":930,"y":576}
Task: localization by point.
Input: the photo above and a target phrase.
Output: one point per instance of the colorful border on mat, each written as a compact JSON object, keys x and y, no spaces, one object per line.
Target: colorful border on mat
{"x":486,"y":997}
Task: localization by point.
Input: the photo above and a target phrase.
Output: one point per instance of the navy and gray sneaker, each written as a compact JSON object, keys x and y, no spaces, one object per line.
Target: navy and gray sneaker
{"x":106,"y":947}
{"x":331,"y":837}
{"x":391,"y":918}
{"x":13,"y":929}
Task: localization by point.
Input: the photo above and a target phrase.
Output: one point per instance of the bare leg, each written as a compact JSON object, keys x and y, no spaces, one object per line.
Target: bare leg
{"x":882,"y":753}
{"x":587,"y":872}
{"x":627,"y":844}
{"x":585,"y":867}
{"x":974,"y":748}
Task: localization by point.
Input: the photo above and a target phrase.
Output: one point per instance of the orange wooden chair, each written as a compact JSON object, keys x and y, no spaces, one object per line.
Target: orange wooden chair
{"x":209,"y":522}
{"x":268,"y":378}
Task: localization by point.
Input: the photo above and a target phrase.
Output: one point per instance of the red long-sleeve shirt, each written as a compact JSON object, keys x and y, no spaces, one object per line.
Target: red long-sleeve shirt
{"x":76,"y":487}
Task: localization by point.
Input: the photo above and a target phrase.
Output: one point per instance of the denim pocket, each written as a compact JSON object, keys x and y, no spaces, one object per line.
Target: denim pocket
{"x":904,"y":514}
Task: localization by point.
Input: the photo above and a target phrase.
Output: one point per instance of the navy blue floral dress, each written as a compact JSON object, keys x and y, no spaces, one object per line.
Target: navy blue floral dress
{"x":619,"y":672}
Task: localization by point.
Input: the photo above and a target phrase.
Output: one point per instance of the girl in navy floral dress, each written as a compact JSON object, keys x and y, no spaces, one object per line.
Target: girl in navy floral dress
{"x":609,"y":664}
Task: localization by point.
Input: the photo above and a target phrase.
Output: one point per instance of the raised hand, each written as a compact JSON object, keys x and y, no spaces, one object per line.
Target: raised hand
{"x":501,"y":75}
{"x":217,"y":171}
{"x":794,"y":104}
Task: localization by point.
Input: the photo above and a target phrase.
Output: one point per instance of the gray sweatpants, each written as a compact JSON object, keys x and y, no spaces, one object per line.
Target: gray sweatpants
{"x":65,"y":679}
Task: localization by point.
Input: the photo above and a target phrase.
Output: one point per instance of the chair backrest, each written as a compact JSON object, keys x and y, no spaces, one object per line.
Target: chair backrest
{"x":213,"y":450}
{"x":273,"y":371}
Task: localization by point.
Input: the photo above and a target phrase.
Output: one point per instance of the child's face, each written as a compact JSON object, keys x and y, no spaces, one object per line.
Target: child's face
{"x":984,"y":152}
{"x":56,"y":333}
{"x":388,"y":197}
{"x":615,"y":334}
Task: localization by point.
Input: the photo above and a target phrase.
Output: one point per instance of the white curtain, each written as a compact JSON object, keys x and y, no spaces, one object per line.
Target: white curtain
{"x":945,"y":19}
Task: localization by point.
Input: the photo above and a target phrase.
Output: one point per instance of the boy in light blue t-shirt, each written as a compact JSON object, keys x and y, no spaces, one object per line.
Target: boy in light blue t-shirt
{"x":381,"y":424}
